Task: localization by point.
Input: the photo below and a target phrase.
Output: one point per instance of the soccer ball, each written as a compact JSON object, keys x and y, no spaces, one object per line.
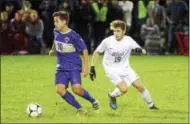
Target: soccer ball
{"x":34,"y":110}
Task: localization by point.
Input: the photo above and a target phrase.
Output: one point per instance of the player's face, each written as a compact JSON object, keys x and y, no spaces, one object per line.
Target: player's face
{"x":118,"y":33}
{"x":59,"y":24}
{"x":34,"y":16}
{"x":18,"y":16}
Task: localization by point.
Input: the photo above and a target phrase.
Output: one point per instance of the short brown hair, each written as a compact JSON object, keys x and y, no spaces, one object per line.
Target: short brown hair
{"x":63,"y":15}
{"x":118,"y":23}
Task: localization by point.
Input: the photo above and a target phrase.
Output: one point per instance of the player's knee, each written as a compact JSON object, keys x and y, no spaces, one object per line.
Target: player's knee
{"x":61,"y":91}
{"x":140,"y":88}
{"x":78,"y":90}
{"x":123,"y":90}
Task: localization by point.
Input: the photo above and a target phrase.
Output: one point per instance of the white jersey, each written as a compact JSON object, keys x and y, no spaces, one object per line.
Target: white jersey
{"x":116,"y":53}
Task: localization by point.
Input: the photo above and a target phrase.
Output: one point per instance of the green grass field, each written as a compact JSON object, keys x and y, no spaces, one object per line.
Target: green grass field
{"x":30,"y":79}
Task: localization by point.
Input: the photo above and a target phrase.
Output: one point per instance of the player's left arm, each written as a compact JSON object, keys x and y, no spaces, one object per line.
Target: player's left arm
{"x":85,"y":62}
{"x":52,"y":51}
{"x":140,"y":50}
{"x":81,"y":47}
{"x":137,"y":48}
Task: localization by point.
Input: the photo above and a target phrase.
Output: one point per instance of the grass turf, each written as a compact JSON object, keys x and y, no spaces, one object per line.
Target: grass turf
{"x":30,"y":79}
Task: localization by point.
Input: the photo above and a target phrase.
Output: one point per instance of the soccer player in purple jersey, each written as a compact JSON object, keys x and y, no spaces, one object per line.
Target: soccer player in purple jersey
{"x":67,"y":46}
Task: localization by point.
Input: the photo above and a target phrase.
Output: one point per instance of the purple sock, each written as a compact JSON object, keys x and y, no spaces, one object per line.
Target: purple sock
{"x":69,"y":98}
{"x":87,"y":96}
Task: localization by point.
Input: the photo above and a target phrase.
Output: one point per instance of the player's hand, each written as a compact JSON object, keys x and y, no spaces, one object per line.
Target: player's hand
{"x":51,"y":52}
{"x":144,"y":51}
{"x":92,"y":73}
{"x":85,"y":72}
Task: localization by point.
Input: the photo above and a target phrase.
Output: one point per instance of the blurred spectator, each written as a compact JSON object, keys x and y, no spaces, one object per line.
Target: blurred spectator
{"x":127,"y":7}
{"x":182,"y":36}
{"x":175,"y":12}
{"x":159,"y":15}
{"x":115,"y":11}
{"x":151,"y":35}
{"x":47,"y":8}
{"x":100,"y":10}
{"x":34,"y":30}
{"x":19,"y":37}
{"x":134,"y":25}
{"x":91,"y":18}
{"x":183,"y":43}
{"x":65,"y":6}
{"x":83,"y":19}
{"x":6,"y":42}
{"x":15,"y":3}
{"x":163,"y":3}
{"x":144,"y":10}
{"x":169,"y":1}
{"x":187,"y":2}
{"x":26,"y":10}
{"x":35,"y":4}
{"x":183,"y":26}
{"x":48,"y":5}
{"x":72,"y":3}
{"x":9,"y":8}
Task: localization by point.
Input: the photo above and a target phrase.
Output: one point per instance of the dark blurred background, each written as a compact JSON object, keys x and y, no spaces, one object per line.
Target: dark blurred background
{"x":159,"y":26}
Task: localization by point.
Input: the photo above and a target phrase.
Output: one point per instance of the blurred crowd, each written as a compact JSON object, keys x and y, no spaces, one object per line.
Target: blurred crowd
{"x":159,"y":26}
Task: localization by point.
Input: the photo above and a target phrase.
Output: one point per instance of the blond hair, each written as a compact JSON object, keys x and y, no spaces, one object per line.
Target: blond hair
{"x":33,"y":12}
{"x":118,"y":23}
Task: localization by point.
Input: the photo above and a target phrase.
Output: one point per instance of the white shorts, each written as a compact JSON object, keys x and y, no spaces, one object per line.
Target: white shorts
{"x":128,"y":75}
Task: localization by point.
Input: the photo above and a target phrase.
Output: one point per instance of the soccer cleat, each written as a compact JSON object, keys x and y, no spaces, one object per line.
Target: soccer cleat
{"x":95,"y":105}
{"x":113,"y":103}
{"x":81,"y":112}
{"x":153,"y":107}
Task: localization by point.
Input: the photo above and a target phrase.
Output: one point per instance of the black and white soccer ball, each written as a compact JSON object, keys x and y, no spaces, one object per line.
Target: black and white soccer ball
{"x":34,"y":110}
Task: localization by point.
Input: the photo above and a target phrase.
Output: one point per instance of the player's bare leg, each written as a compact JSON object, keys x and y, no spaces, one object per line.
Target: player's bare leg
{"x":78,"y":90}
{"x":68,"y":97}
{"x":145,"y":94}
{"x":120,"y":90}
{"x":61,"y":89}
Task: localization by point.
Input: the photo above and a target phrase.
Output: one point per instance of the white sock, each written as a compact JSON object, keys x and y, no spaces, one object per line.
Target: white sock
{"x":116,"y":93}
{"x":147,"y":98}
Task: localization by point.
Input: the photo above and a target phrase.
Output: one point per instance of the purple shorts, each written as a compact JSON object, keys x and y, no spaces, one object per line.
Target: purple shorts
{"x":64,"y":77}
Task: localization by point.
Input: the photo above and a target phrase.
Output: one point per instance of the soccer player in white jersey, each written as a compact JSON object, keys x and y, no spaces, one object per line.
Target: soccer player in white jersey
{"x":117,"y":50}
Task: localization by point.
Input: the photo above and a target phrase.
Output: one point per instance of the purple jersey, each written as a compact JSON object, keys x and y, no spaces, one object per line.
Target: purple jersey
{"x":68,"y":46}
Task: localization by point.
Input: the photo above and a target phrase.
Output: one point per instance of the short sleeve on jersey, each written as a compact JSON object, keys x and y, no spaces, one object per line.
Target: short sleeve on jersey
{"x":101,"y":48}
{"x":134,"y":45}
{"x":79,"y":44}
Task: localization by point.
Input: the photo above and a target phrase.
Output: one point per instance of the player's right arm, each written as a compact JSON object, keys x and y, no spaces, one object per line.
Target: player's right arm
{"x":52,"y":51}
{"x":94,"y":58}
{"x":100,"y":49}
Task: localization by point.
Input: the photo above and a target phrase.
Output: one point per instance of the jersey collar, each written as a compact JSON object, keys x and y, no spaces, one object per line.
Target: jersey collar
{"x":66,"y":32}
